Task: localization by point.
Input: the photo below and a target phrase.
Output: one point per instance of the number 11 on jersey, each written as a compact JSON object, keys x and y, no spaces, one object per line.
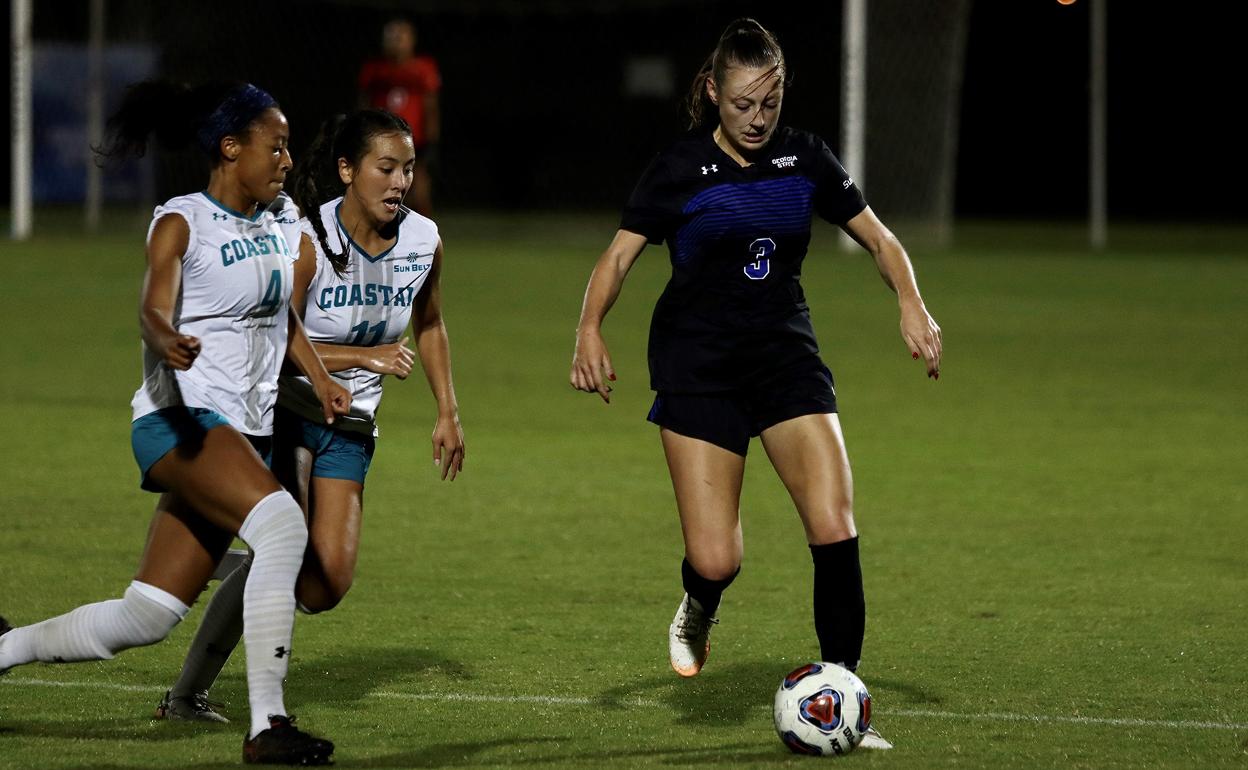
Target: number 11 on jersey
{"x":762,"y":248}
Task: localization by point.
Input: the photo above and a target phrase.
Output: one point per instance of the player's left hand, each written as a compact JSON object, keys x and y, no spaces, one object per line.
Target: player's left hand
{"x":334,"y":398}
{"x":448,"y":446}
{"x":922,"y":335}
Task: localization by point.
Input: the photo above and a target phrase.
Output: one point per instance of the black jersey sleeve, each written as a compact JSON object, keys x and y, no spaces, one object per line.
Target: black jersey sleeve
{"x":653,"y":209}
{"x":837,"y":198}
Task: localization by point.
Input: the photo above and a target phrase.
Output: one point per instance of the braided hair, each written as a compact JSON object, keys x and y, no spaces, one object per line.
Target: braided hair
{"x":315,"y":176}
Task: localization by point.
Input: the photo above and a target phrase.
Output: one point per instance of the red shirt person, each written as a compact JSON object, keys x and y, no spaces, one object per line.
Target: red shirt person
{"x":407,"y":84}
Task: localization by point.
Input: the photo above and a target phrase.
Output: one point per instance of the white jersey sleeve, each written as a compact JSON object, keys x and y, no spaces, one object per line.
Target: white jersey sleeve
{"x":234,"y":296}
{"x":369,"y":304}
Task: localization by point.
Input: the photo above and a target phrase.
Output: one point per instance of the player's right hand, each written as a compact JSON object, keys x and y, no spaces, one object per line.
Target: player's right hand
{"x":591,"y":365}
{"x":181,"y":351}
{"x":395,"y":358}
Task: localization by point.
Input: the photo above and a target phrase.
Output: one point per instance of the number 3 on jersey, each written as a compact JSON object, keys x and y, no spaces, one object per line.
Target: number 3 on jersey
{"x":762,"y":248}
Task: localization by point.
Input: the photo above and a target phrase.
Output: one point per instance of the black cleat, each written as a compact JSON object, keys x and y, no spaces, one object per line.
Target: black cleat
{"x":191,"y":708}
{"x":285,"y":744}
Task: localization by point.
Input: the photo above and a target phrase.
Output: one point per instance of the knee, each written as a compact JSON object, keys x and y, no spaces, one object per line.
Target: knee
{"x":717,"y":565}
{"x":275,"y":522}
{"x":151,"y":613}
{"x":324,"y":589}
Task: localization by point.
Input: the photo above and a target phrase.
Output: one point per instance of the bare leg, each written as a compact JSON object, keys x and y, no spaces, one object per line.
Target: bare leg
{"x":271,"y":523}
{"x":808,"y":453}
{"x":707,"y":482}
{"x":333,"y":543}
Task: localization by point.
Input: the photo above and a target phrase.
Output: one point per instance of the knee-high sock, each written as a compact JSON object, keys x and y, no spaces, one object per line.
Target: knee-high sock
{"x":218,"y":635}
{"x":840,"y":604}
{"x":704,"y":591}
{"x":144,"y":615}
{"x":277,"y":535}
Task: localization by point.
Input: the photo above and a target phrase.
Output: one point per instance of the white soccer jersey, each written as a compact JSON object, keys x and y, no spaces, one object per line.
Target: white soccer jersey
{"x":370,"y":304}
{"x":236,"y":282}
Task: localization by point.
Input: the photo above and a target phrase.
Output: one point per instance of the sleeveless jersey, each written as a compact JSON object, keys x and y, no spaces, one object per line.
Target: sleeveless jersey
{"x":369,"y":304}
{"x":734,"y":310}
{"x":235,"y":292}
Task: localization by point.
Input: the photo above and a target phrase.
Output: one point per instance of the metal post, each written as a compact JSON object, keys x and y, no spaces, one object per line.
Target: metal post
{"x":95,"y":113}
{"x":1097,"y":176}
{"x":21,"y":106}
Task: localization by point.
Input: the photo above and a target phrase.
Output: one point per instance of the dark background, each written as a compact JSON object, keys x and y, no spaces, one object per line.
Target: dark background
{"x":534,"y":115}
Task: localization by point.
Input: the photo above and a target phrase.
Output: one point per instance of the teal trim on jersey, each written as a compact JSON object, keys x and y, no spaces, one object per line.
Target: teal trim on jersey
{"x":259,"y":209}
{"x":356,"y":246}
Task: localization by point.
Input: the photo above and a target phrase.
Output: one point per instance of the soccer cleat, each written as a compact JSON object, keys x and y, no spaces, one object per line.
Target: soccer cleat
{"x":872,"y":739}
{"x":192,"y":708}
{"x":688,"y":638}
{"x":285,"y":744}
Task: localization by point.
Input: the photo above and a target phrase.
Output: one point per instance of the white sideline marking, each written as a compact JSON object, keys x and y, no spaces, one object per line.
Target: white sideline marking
{"x":1049,"y":719}
{"x":555,"y":700}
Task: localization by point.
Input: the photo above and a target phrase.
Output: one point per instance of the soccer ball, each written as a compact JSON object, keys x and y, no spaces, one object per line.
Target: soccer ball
{"x":822,"y":709}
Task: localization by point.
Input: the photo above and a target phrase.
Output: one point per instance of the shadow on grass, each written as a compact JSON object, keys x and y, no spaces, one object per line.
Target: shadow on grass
{"x":731,"y":694}
{"x":346,"y":676}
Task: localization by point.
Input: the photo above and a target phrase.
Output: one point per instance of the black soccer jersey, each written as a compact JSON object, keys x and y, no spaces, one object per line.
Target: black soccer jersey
{"x":734,"y":309}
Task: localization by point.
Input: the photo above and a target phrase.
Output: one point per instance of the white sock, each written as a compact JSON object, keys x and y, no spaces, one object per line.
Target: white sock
{"x":276,"y":532}
{"x":217,"y":636}
{"x":144,"y":615}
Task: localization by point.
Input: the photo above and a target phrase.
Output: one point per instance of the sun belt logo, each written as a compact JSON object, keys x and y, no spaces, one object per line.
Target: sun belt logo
{"x":712,"y":169}
{"x":846,"y":184}
{"x":788,"y":161}
{"x":822,"y":710}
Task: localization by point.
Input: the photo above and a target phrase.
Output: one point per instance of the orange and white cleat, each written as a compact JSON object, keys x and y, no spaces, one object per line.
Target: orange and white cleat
{"x":688,"y":638}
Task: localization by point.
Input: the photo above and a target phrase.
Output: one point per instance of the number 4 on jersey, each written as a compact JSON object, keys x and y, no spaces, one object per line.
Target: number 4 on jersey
{"x":762,"y":248}
{"x":272,"y":294}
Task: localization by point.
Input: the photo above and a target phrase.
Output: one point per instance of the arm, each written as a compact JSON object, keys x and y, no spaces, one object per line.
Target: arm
{"x":435,"y":357}
{"x":394,"y":358}
{"x":591,"y":363}
{"x":918,"y":328}
{"x":334,"y":398}
{"x":162,"y":283}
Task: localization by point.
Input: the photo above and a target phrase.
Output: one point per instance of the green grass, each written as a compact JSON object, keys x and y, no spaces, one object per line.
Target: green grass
{"x":1053,"y":530}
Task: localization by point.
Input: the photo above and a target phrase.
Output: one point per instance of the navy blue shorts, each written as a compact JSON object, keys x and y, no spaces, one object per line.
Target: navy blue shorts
{"x":336,"y":454}
{"x":158,"y":433}
{"x":729,"y":419}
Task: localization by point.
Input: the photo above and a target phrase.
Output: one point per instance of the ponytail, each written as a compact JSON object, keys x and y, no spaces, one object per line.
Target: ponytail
{"x":176,"y":115}
{"x":316,"y":180}
{"x":744,"y":43}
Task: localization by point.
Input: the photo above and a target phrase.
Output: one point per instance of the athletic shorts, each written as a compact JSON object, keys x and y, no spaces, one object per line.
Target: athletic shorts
{"x":729,"y":419}
{"x":158,"y":433}
{"x":336,"y":454}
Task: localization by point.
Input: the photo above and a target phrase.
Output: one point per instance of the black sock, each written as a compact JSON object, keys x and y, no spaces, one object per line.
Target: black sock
{"x":707,"y":592}
{"x":840,"y":605}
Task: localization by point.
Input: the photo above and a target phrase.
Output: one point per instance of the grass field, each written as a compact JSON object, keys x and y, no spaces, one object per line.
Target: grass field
{"x":1054,"y":534}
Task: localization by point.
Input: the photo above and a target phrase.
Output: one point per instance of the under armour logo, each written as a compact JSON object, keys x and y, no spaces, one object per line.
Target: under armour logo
{"x":713,"y":168}
{"x":282,"y":652}
{"x":216,"y":217}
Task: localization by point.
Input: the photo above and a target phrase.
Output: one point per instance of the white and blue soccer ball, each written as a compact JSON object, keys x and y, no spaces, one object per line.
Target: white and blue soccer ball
{"x":822,"y":709}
